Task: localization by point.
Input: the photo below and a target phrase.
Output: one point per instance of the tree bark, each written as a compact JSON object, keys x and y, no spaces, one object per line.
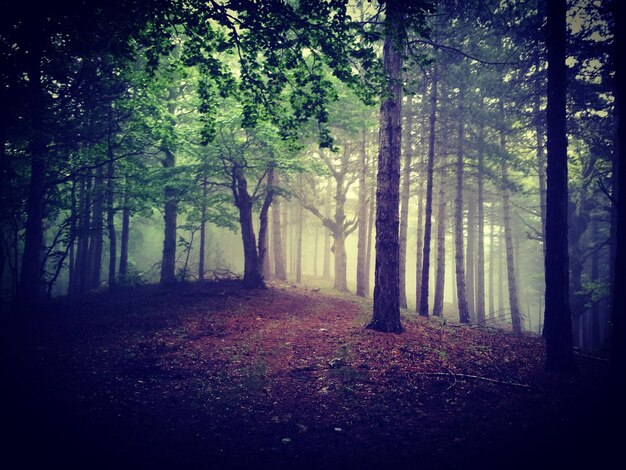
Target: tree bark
{"x":458,"y":221}
{"x":470,"y":286}
{"x":111,"y":222}
{"x":263,"y":223}
{"x":557,"y":320}
{"x":386,"y":312}
{"x":170,"y":196}
{"x":202,"y":254}
{"x":480,"y":266}
{"x":441,"y":228}
{"x":423,"y":305}
{"x":277,"y":241}
{"x":96,"y":242}
{"x":404,"y":196}
{"x":516,"y":319}
{"x":326,"y":267}
{"x":299,"y":237}
{"x":361,"y":289}
{"x":123,"y":271}
{"x":370,"y":231}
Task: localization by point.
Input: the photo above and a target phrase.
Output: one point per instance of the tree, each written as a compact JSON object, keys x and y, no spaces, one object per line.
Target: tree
{"x":557,"y":324}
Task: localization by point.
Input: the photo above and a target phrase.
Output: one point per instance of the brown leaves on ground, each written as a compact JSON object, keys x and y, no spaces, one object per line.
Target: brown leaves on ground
{"x":284,"y":377}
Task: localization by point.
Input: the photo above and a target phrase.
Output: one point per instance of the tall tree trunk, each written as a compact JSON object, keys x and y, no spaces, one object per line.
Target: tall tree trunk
{"x":82,"y":258}
{"x":480,"y":266}
{"x":124,"y":237}
{"x":285,"y":236}
{"x":202,"y":254}
{"x":263,"y":223}
{"x":492,"y":254}
{"x":428,"y":210}
{"x":541,"y":171}
{"x":252,"y":274}
{"x":470,"y":286}
{"x":458,"y":220}
{"x":618,"y":298}
{"x":111,"y":221}
{"x":420,"y":234}
{"x":370,"y":231}
{"x":501,"y":307}
{"x":97,"y":229}
{"x":71,"y":284}
{"x":361,"y":289}
{"x":441,"y":228}
{"x":277,"y":240}
{"x":595,"y":277}
{"x":516,"y":318}
{"x":558,"y":322}
{"x":30,"y":286}
{"x":386,"y":313}
{"x":170,"y":196}
{"x":404,"y":196}
{"x":299,"y":237}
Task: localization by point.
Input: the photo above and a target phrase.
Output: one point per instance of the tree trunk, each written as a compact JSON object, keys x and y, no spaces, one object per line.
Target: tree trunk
{"x":82,"y":258}
{"x":441,"y":228}
{"x":97,"y":233}
{"x":370,"y":231}
{"x":428,"y":210}
{"x":170,"y":196}
{"x":299,"y":237}
{"x":420,"y":235}
{"x":202,"y":255}
{"x":516,"y":318}
{"x":263,"y":222}
{"x":404,"y":195}
{"x":386,"y":313}
{"x":277,"y":241}
{"x":492,"y":255}
{"x":111,"y":222}
{"x":618,"y":298}
{"x":30,"y":286}
{"x":480,"y":266}
{"x":124,"y":238}
{"x":595,"y":277}
{"x":361,"y":289}
{"x":558,"y":322}
{"x":458,"y":221}
{"x":469,"y":254}
{"x":541,"y":171}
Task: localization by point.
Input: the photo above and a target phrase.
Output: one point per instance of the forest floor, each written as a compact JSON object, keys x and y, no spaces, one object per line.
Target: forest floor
{"x":209,"y":375}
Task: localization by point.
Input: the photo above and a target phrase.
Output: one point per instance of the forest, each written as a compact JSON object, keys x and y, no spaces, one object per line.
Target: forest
{"x":333,"y":233}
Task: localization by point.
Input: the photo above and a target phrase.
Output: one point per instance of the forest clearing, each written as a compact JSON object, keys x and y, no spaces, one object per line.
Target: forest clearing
{"x":209,"y":375}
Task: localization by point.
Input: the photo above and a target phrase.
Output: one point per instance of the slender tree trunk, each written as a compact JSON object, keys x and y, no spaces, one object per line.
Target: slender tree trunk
{"x":30,"y":286}
{"x":285,"y":235}
{"x":277,"y":240}
{"x":124,"y":237}
{"x":470,"y":286}
{"x":386,"y":314}
{"x":595,"y":277}
{"x":458,"y":220}
{"x":361,"y":289}
{"x":516,"y":318}
{"x":492,"y":254}
{"x":441,"y":229}
{"x":501,"y":308}
{"x":558,"y":322}
{"x":480,"y":266}
{"x":111,"y":222}
{"x":618,"y":298}
{"x":263,"y":231}
{"x":299,"y":237}
{"x":420,"y":235}
{"x":170,"y":196}
{"x":82,"y":259}
{"x":202,"y":255}
{"x":428,"y":210}
{"x":97,"y":230}
{"x":315,"y":251}
{"x":541,"y":170}
{"x":370,"y":231}
{"x":404,"y":196}
{"x":71,"y":284}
